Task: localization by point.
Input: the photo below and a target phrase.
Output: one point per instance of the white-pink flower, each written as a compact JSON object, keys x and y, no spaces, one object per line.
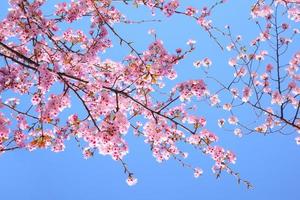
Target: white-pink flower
{"x":262,"y":128}
{"x":206,"y":62}
{"x":232,"y":62}
{"x":276,"y":98}
{"x":246,"y":94}
{"x":238,"y":132}
{"x":227,"y":106}
{"x":197,"y":172}
{"x":221,"y":122}
{"x":214,"y":100}
{"x":233,"y":120}
{"x":131,"y":180}
{"x":191,"y":42}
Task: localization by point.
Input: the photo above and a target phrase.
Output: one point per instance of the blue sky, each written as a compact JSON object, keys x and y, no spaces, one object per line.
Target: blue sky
{"x":271,"y":163}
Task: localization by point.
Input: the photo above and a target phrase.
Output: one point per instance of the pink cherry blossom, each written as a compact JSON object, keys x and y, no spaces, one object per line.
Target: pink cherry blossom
{"x":233,"y":120}
{"x":131,"y":180}
{"x":170,"y":7}
{"x":276,"y":98}
{"x":197,"y":172}
{"x":221,"y":122}
{"x":238,"y":132}
{"x":58,"y":81}
{"x":262,"y":11}
{"x":214,"y":100}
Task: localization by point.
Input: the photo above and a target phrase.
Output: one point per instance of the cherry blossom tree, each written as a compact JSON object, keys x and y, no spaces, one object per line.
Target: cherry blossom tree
{"x":47,"y":68}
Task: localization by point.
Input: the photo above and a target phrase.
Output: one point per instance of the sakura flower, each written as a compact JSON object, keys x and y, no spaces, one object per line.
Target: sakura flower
{"x":205,"y":23}
{"x":246,"y":94}
{"x":191,"y":11}
{"x":214,"y":100}
{"x":48,"y":79}
{"x":87,"y":153}
{"x":239,"y":37}
{"x":269,"y":68}
{"x":22,"y":123}
{"x":285,"y":26}
{"x":231,"y":157}
{"x":294,"y":14}
{"x":151,"y":32}
{"x":230,"y":47}
{"x":233,"y":120}
{"x":191,"y":88}
{"x":20,"y":138}
{"x":4,"y":130}
{"x":73,"y":119}
{"x":191,"y":42}
{"x":194,"y":139}
{"x":178,"y":50}
{"x":263,"y":36}
{"x":197,"y":121}
{"x":221,"y":122}
{"x":262,"y":129}
{"x":197,"y":63}
{"x":285,"y":40}
{"x":296,"y":31}
{"x":276,"y":98}
{"x":234,"y":92}
{"x":261,"y":11}
{"x":61,"y":8}
{"x":58,"y":145}
{"x":170,"y":7}
{"x":131,"y":180}
{"x":197,"y":172}
{"x":36,"y":99}
{"x":232,"y":62}
{"x":240,"y":73}
{"x":227,"y":106}
{"x":238,"y":132}
{"x":208,"y":136}
{"x":206,"y":62}
{"x":185,"y":154}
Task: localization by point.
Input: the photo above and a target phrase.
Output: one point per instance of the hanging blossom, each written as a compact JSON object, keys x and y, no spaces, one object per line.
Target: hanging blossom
{"x":53,"y":68}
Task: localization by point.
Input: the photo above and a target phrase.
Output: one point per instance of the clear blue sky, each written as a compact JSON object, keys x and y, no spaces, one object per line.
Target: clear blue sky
{"x":271,"y":162}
